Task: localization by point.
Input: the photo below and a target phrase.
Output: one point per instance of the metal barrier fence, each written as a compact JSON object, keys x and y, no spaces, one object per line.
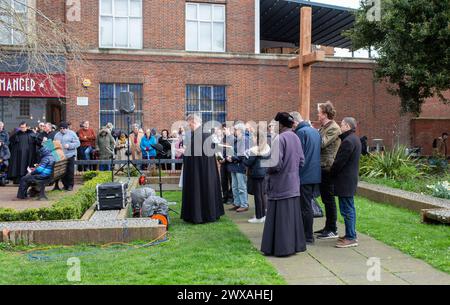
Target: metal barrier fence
{"x":171,"y":167}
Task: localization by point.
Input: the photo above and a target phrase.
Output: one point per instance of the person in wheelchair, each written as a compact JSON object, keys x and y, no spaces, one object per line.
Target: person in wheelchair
{"x":4,"y":162}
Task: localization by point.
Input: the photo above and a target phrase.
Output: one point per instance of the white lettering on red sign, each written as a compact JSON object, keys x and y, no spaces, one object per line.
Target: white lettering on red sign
{"x":18,"y":84}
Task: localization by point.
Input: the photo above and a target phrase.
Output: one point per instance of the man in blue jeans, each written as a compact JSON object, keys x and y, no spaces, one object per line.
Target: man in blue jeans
{"x":237,"y":169}
{"x":345,"y":174}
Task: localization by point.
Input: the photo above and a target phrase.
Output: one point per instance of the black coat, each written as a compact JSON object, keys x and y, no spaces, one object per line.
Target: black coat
{"x":252,"y":161}
{"x":345,"y":169}
{"x":201,"y":199}
{"x":23,"y":153}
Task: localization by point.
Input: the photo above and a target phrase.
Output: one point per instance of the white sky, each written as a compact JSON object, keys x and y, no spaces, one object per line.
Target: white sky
{"x":352,"y":4}
{"x":345,"y":3}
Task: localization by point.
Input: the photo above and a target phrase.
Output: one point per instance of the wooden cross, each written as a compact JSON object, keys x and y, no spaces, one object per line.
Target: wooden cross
{"x":304,"y":61}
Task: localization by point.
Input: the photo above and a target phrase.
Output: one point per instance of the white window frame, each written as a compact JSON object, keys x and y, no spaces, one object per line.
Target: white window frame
{"x":12,"y":30}
{"x":212,"y":21}
{"x":112,"y":15}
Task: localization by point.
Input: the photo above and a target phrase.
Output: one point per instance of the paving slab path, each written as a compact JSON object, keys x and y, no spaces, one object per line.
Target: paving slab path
{"x":8,"y":198}
{"x":324,"y":264}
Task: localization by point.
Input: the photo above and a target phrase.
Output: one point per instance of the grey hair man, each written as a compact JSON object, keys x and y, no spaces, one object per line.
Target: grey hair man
{"x":309,"y":171}
{"x":194,"y":121}
{"x":345,"y":173}
{"x":201,"y":199}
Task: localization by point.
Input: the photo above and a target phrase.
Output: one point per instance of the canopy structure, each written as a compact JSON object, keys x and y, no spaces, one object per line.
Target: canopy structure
{"x":280,"y":21}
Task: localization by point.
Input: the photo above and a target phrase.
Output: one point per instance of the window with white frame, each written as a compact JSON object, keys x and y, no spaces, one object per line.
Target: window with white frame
{"x":13,"y":21}
{"x":121,"y":24}
{"x":205,"y":27}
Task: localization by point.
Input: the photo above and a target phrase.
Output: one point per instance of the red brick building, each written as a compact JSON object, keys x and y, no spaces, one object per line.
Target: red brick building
{"x":179,"y":56}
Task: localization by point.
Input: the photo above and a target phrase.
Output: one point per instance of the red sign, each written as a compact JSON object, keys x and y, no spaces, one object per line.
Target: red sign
{"x":32,"y":85}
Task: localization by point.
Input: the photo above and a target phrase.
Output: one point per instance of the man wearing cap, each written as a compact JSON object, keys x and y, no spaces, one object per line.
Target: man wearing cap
{"x":70,"y":143}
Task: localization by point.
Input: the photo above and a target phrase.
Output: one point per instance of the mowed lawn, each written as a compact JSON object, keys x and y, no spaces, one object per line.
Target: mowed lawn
{"x":402,"y":229}
{"x":216,"y":253}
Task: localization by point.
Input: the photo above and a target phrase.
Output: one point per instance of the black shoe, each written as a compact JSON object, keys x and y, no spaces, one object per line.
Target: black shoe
{"x":319,"y":231}
{"x":310,"y":241}
{"x":328,"y":235}
{"x":68,"y":189}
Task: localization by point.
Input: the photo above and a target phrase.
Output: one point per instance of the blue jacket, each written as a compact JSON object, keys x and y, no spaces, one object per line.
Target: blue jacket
{"x":45,"y":168}
{"x":310,"y":172}
{"x":146,"y":143}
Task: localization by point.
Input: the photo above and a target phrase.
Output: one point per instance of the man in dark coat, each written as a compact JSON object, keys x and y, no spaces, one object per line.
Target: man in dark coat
{"x":284,"y":234}
{"x":310,"y":172}
{"x":345,"y":173}
{"x":202,"y":200}
{"x":48,"y":132}
{"x":23,"y":152}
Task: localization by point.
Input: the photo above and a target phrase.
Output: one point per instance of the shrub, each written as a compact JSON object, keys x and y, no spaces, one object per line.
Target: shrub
{"x":68,"y":207}
{"x":394,"y":164}
{"x":89,"y":175}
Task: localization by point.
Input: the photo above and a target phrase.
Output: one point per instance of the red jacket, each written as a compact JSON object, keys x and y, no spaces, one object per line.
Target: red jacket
{"x":87,"y":137}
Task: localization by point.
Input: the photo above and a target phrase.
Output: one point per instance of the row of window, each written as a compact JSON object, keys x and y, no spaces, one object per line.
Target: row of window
{"x":121,"y":24}
{"x":209,"y":101}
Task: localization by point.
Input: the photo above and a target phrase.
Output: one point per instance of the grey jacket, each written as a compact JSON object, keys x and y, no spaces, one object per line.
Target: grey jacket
{"x":70,"y":138}
{"x":330,"y":144}
{"x":284,"y":180}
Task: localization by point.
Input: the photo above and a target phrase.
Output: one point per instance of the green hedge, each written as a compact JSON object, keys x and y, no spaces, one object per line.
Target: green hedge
{"x":68,"y":207}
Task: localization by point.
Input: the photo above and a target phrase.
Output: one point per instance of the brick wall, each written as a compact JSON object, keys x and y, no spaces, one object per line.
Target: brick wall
{"x":424,"y":130}
{"x":164,"y":23}
{"x":256,"y":90}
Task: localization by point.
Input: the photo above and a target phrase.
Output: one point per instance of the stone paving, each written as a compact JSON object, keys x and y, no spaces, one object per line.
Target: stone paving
{"x":9,"y":193}
{"x":324,"y":264}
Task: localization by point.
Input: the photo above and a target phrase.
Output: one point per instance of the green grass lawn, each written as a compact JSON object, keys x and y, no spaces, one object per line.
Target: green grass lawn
{"x":402,"y":229}
{"x":216,"y":253}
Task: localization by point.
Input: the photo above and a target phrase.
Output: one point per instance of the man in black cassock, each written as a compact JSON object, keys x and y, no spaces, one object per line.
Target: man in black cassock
{"x":202,"y":199}
{"x":23,"y":152}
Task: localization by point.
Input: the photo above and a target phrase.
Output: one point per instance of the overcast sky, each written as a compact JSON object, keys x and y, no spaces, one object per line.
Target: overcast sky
{"x":345,"y":3}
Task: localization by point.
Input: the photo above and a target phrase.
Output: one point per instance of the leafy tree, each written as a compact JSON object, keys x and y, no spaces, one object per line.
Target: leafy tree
{"x":412,"y":38}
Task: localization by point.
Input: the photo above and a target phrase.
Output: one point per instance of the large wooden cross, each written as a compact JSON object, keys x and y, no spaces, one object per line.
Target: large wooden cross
{"x":304,"y":61}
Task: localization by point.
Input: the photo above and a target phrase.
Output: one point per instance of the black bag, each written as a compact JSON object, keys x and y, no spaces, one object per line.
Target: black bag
{"x":317,"y":210}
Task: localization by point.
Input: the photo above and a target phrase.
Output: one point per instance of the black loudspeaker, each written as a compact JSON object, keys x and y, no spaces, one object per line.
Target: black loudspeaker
{"x":112,"y":196}
{"x":126,"y":102}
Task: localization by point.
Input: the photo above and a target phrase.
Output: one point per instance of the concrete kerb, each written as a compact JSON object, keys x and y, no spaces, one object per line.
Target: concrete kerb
{"x":432,"y":209}
{"x":95,"y":227}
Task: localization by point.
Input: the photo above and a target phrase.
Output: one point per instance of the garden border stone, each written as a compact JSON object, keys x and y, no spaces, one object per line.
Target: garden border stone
{"x":404,"y":199}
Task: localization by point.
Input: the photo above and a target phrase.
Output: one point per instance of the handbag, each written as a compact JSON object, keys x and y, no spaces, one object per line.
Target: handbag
{"x":317,"y":210}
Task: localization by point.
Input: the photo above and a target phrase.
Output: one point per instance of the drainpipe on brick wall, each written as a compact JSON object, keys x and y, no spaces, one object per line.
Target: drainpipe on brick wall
{"x":257,"y":27}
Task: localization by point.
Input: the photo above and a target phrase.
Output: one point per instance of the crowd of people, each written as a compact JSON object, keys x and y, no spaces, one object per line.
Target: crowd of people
{"x":311,"y":163}
{"x":23,"y":155}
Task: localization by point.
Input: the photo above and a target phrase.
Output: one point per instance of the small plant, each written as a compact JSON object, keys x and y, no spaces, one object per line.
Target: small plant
{"x":441,"y":189}
{"x":89,"y":175}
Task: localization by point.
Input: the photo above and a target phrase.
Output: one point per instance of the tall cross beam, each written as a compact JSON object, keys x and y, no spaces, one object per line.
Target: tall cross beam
{"x":304,"y":61}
